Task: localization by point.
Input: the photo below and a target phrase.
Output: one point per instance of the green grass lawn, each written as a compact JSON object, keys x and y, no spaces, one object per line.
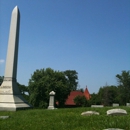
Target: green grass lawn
{"x":63,"y":119}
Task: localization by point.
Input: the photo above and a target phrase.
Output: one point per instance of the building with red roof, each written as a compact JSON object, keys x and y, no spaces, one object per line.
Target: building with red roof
{"x":87,"y":94}
{"x":73,"y":94}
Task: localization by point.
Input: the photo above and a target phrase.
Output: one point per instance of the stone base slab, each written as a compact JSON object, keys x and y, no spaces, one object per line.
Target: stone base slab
{"x":13,"y":103}
{"x":51,"y":107}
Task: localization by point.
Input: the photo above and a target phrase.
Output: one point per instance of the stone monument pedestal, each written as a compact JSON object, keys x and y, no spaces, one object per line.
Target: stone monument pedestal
{"x":51,"y":101}
{"x":10,"y":97}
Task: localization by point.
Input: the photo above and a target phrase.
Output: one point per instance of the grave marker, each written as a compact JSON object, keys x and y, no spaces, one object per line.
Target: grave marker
{"x":51,"y":101}
{"x":117,"y":112}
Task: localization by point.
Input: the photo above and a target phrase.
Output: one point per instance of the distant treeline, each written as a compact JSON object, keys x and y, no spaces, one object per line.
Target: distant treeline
{"x":44,"y":81}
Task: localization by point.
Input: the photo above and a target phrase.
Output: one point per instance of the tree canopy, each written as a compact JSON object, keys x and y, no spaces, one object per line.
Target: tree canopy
{"x":114,"y":94}
{"x":72,"y":78}
{"x":44,"y":81}
{"x":124,"y":87}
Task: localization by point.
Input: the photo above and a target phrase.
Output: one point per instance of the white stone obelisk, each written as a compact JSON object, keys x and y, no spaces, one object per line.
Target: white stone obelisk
{"x":10,"y":96}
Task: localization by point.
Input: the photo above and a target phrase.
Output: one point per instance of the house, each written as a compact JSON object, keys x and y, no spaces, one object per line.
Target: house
{"x":70,"y":99}
{"x":73,"y":94}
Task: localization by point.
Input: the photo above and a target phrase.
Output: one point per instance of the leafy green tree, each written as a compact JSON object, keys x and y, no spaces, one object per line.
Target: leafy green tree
{"x":95,"y":100}
{"x":80,"y":101}
{"x":23,"y":88}
{"x":72,"y":77}
{"x":44,"y":81}
{"x":1,"y":79}
{"x":108,"y":95}
{"x":124,"y":87}
{"x":24,"y":91}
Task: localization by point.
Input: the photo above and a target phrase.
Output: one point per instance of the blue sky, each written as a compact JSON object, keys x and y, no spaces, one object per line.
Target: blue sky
{"x":89,"y":36}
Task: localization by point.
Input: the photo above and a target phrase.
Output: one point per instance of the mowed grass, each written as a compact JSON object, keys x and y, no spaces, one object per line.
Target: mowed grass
{"x":63,"y":119}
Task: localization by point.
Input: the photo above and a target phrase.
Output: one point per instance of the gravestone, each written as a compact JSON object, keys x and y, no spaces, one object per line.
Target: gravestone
{"x":97,"y":106}
{"x":4,"y":117}
{"x":113,"y":129}
{"x":128,"y":104}
{"x":88,"y":113}
{"x":115,"y":105}
{"x":51,"y":101}
{"x":117,"y":112}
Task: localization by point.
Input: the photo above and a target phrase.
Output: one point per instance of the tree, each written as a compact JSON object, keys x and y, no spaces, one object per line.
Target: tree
{"x":95,"y":100}
{"x":44,"y":81}
{"x":1,"y":79}
{"x":108,"y":95}
{"x":24,"y":91}
{"x":72,"y":77}
{"x":80,"y":101}
{"x":124,"y":86}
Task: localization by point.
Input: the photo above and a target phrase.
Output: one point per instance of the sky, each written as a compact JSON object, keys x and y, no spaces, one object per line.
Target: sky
{"x":89,"y":36}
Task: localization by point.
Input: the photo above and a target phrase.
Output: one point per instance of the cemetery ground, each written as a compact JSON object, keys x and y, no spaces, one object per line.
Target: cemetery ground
{"x":64,"y":119}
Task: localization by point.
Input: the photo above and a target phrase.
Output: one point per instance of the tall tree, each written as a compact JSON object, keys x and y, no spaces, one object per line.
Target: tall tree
{"x":44,"y":81}
{"x":108,"y":95}
{"x":124,"y":86}
{"x":95,"y":99}
{"x":72,"y":77}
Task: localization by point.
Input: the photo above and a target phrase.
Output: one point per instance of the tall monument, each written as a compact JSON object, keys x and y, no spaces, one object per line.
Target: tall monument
{"x":10,"y":96}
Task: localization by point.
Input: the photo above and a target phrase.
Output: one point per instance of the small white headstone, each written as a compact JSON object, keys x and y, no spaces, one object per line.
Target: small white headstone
{"x":97,"y":106}
{"x":88,"y":113}
{"x":128,"y":104}
{"x":115,"y":105}
{"x":4,"y":117}
{"x":116,"y":112}
{"x":113,"y":129}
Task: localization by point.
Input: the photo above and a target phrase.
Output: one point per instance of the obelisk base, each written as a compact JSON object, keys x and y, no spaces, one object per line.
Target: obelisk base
{"x":13,"y":103}
{"x":10,"y":97}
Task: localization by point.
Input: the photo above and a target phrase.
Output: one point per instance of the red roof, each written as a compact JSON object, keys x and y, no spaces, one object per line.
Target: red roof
{"x":73,"y":94}
{"x":86,"y":94}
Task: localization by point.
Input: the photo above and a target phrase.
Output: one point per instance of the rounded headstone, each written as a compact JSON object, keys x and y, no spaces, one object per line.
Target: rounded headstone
{"x":113,"y":129}
{"x":88,"y":113}
{"x":4,"y":117}
{"x":116,"y":112}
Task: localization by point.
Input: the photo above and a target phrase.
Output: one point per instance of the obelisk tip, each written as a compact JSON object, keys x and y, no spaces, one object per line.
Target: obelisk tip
{"x":15,"y":8}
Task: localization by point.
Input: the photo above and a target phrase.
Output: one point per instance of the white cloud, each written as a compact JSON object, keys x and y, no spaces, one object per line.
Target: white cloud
{"x":2,"y":61}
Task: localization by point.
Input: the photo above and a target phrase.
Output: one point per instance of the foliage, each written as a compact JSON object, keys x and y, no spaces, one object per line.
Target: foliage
{"x":24,"y":91}
{"x":1,"y":79}
{"x":63,"y":119}
{"x":124,"y":87}
{"x":72,"y":77}
{"x":80,"y":101}
{"x":108,"y":95}
{"x":23,"y":88}
{"x":94,"y":100}
{"x":44,"y":81}
{"x":114,"y":94}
